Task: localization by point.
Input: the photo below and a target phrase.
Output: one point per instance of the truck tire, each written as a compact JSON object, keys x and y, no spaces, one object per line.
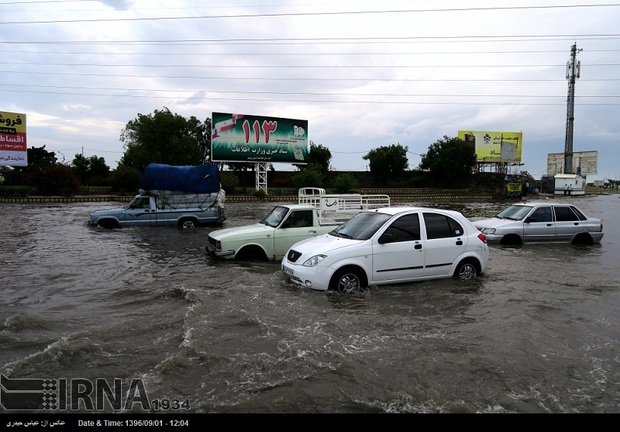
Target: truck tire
{"x":187,"y":223}
{"x":108,"y":224}
{"x":251,"y":253}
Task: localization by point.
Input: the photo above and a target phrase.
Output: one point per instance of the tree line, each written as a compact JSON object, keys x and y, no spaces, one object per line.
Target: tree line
{"x":169,"y":138}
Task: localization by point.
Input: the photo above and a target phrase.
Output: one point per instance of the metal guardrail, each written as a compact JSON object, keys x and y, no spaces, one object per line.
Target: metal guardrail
{"x":396,"y":196}
{"x":59,"y":199}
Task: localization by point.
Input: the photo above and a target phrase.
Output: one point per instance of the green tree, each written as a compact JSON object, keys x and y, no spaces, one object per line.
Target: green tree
{"x":164,"y":137}
{"x":308,"y":177}
{"x":57,"y":179}
{"x":38,"y":157}
{"x":241,"y":166}
{"x":230,"y":182}
{"x":449,"y":160}
{"x":201,"y":131}
{"x":388,"y":161}
{"x":345,"y":183}
{"x":320,"y":157}
{"x":125,"y":179}
{"x":38,"y":160}
{"x":89,"y":169}
{"x":99,"y":170}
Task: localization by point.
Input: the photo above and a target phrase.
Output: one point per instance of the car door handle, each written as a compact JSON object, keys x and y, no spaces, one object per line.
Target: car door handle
{"x":418,"y":246}
{"x":459,"y":242}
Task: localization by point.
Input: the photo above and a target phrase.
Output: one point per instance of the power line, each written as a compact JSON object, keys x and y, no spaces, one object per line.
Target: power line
{"x":330,"y":40}
{"x":313,"y":66}
{"x":311,"y":101}
{"x":294,"y":79}
{"x":46,"y":2}
{"x":312,"y":14}
{"x":298,"y":93}
{"x":298,"y":54}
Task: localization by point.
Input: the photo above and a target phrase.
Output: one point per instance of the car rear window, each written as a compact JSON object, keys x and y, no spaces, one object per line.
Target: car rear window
{"x":564,"y":213}
{"x":441,"y":226}
{"x":580,"y":215}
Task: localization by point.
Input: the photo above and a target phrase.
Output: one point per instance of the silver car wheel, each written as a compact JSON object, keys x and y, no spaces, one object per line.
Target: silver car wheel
{"x":467,"y":271}
{"x":348,"y":283}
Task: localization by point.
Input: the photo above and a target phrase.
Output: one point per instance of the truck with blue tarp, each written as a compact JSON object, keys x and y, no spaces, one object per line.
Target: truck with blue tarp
{"x":183,"y":196}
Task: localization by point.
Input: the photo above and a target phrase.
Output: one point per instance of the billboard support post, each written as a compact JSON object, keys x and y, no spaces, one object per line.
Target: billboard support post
{"x":261,"y":176}
{"x":572,"y":74}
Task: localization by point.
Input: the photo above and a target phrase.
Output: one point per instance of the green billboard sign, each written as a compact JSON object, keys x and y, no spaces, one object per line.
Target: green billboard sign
{"x":250,"y":138}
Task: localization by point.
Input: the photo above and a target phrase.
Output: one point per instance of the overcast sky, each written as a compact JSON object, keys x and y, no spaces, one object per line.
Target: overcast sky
{"x":364,"y":74}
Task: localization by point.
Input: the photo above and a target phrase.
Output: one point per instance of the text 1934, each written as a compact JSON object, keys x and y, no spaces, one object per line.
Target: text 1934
{"x":170,"y":404}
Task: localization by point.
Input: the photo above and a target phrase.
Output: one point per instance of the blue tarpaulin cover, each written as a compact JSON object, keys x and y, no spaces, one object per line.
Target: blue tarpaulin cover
{"x":199,"y":179}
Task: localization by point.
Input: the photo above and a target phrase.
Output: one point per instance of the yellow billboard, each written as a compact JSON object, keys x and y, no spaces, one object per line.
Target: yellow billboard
{"x":13,"y":146}
{"x":494,"y":146}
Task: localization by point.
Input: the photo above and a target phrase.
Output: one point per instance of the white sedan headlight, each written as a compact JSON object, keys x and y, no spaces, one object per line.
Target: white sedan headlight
{"x":488,"y":230}
{"x":314,"y":260}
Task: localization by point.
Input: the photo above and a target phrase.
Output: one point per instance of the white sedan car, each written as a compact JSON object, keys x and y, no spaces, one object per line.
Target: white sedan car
{"x":541,"y":222}
{"x":388,"y":246}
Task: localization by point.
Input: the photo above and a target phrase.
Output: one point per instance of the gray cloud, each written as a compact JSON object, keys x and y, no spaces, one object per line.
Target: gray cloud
{"x":118,"y":4}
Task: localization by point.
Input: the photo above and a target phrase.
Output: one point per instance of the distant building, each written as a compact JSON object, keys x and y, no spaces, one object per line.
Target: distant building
{"x":569,"y":184}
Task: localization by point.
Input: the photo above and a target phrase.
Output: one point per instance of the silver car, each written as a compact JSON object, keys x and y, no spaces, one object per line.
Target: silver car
{"x":541,"y":222}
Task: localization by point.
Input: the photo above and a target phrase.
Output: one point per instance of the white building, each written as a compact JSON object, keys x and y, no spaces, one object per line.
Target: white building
{"x":569,"y":184}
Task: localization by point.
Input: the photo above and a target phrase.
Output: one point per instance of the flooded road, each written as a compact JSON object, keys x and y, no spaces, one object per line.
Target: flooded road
{"x":538,"y":333}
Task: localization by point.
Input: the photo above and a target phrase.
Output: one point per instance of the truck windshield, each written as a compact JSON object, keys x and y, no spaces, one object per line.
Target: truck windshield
{"x":139,"y":203}
{"x":275,"y":216}
{"x":362,"y":226}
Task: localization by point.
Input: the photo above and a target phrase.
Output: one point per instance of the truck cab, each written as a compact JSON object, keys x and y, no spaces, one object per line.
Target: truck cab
{"x":315,"y":213}
{"x":299,"y":224}
{"x":139,"y":211}
{"x":270,"y":238}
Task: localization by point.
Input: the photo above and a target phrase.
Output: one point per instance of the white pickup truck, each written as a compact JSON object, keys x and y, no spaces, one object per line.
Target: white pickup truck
{"x":315,"y":213}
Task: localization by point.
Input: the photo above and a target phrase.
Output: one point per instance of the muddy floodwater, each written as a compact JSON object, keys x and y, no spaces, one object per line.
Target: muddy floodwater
{"x":539,"y":332}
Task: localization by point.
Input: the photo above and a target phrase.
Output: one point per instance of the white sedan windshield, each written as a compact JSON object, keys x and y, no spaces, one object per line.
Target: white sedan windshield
{"x":361,"y":226}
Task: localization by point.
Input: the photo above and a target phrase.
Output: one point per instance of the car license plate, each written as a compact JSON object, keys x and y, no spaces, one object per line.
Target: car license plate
{"x":288,"y":271}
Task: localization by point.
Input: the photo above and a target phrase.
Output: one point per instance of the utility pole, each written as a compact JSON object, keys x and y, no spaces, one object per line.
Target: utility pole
{"x":572,"y":74}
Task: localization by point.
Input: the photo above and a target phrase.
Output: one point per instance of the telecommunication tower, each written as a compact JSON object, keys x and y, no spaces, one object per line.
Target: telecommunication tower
{"x":573,"y":70}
